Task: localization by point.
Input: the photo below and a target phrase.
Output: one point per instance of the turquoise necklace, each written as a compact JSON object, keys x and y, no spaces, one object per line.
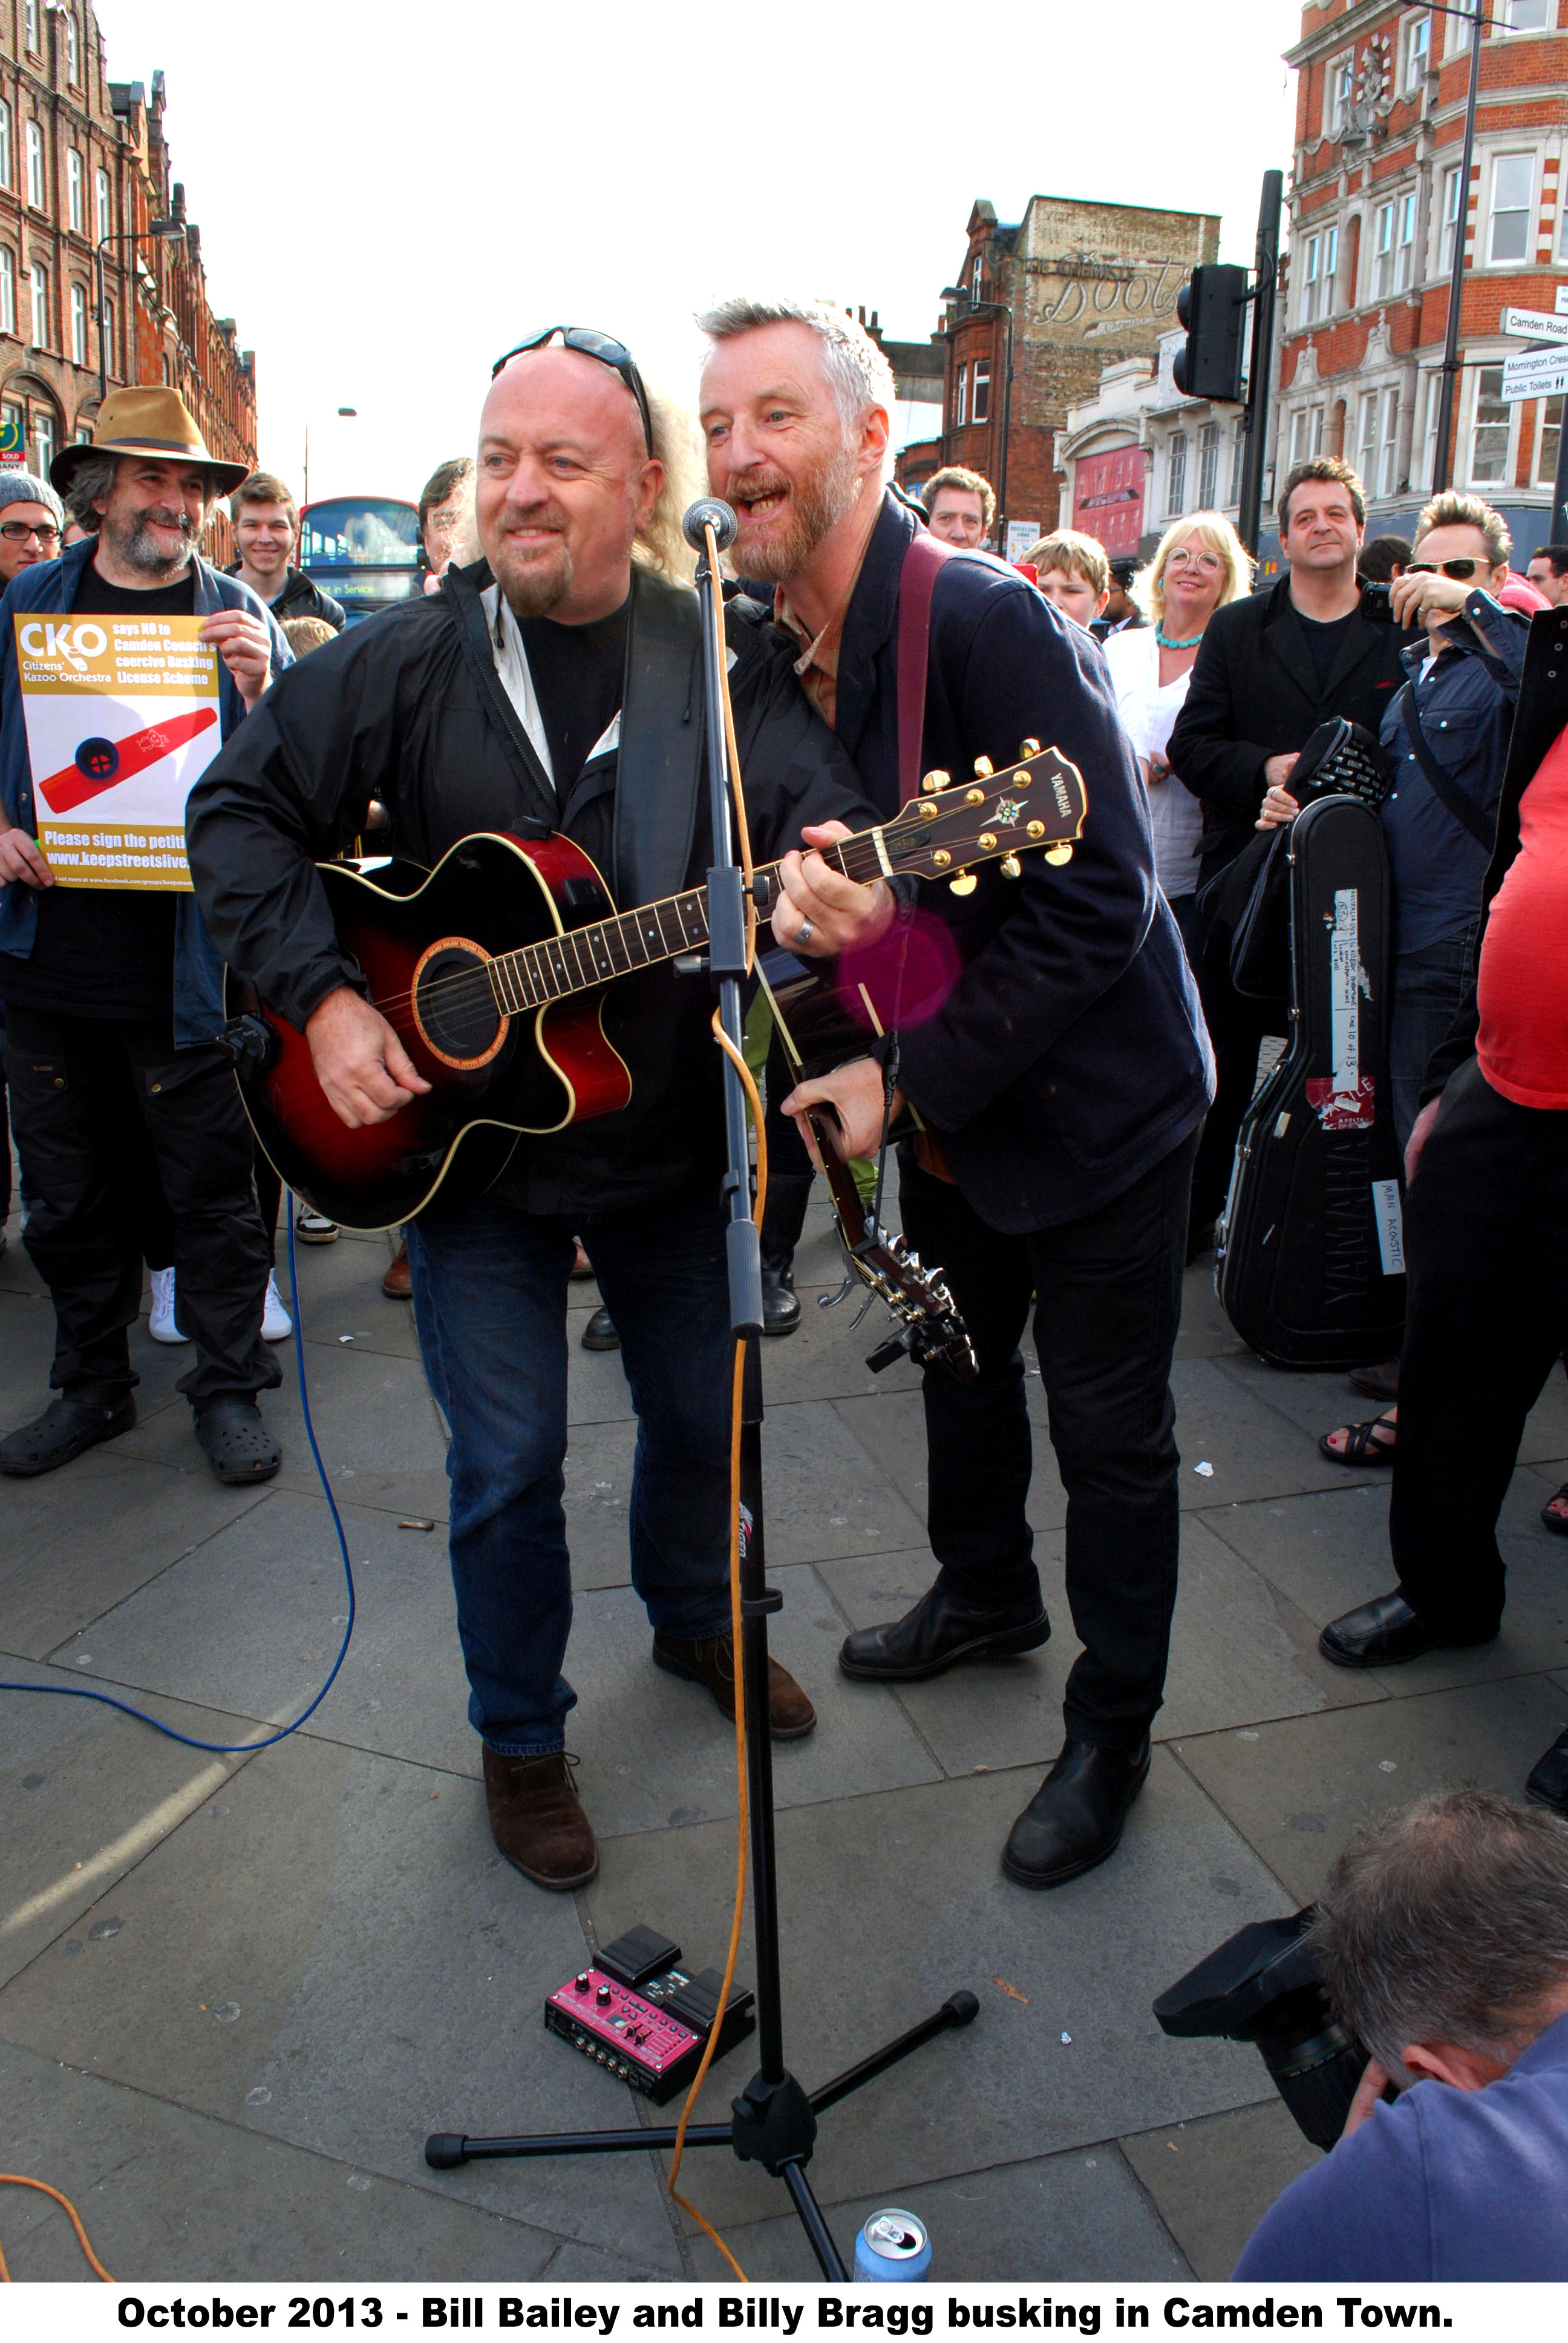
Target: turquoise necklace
{"x":1165,"y":643}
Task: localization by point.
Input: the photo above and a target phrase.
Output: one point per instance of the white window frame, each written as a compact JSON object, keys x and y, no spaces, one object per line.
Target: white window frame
{"x":1329,"y":272}
{"x":103,"y":206}
{"x":1366,"y":441}
{"x":1404,"y":241}
{"x":75,"y":192}
{"x":1505,"y":11}
{"x":44,"y":439}
{"x":962,"y":397}
{"x":1209,"y":468}
{"x":106,"y":336}
{"x":1417,"y":53}
{"x":1237,"y":456}
{"x":1453,"y":220}
{"x":1525,"y":211}
{"x":35,"y":186}
{"x":7,"y":290}
{"x":1176,"y":477}
{"x":1381,"y":281}
{"x":1459,"y":31}
{"x":1546,"y":468}
{"x":1388,"y":442}
{"x":1503,"y":479}
{"x":30,"y":26}
{"x":6,"y":154}
{"x":1339,"y":91}
{"x":1311,"y":254}
{"x":979,"y":392}
{"x":39,"y":279}
{"x":73,"y":50}
{"x":78,"y":325}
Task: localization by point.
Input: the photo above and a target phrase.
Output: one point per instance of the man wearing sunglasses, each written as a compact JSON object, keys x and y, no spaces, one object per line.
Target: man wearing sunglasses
{"x":549,"y":687}
{"x":31,"y":519}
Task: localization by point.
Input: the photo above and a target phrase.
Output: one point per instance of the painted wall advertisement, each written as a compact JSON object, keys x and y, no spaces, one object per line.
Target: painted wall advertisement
{"x":122,"y":719}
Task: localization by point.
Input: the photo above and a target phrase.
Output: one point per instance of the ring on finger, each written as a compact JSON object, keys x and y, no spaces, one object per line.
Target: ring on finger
{"x":805,"y":932}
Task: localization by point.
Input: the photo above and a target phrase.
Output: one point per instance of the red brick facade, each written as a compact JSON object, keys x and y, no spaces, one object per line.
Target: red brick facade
{"x":82,"y":157}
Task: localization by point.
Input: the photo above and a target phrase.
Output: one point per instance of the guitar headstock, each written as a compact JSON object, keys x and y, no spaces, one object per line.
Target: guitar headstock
{"x":1040,"y":802}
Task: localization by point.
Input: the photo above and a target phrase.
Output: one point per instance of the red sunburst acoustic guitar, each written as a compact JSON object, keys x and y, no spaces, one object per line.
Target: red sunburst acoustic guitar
{"x":492,"y":970}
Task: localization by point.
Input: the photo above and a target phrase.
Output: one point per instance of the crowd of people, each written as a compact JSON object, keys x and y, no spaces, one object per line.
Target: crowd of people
{"x":1065,"y":1117}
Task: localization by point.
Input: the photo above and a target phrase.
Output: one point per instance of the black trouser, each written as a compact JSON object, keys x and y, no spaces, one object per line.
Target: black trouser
{"x":1486,"y":1314}
{"x":75,"y":1082}
{"x":1236,"y":1027}
{"x":1109,"y":1289}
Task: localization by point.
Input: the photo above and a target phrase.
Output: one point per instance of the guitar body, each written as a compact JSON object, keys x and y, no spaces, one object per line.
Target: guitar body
{"x":422,"y":940}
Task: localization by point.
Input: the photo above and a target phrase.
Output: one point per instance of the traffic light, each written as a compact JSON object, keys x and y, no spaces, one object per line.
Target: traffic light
{"x":1212,"y":307}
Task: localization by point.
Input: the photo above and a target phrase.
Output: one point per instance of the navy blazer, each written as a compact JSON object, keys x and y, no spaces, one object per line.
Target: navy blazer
{"x":1071,"y":1056}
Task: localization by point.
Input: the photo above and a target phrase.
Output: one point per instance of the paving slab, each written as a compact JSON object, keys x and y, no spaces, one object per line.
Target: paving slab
{"x":1253,"y":1449}
{"x":169,"y":2195}
{"x":1081,"y":2216}
{"x":343,"y":1961}
{"x":1214,"y":2179}
{"x":891,"y":1429}
{"x":1205,"y":1332}
{"x":1328,"y":1552}
{"x":1296,"y":1790}
{"x":86,"y":1793}
{"x":892,"y":1902}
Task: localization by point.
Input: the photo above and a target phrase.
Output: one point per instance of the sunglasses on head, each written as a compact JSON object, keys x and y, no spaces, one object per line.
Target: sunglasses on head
{"x":591,"y":343}
{"x":1464,"y":566}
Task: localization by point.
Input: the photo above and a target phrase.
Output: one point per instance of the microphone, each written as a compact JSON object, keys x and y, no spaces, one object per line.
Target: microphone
{"x":726,"y":527}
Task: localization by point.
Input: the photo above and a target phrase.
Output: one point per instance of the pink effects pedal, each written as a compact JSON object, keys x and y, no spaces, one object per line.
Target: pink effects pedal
{"x":647,"y":2025}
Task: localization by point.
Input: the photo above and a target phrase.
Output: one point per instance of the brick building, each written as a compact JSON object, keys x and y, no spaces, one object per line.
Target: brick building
{"x":83,"y":159}
{"x":1376,"y":204}
{"x":1137,"y":454}
{"x":1086,"y":285}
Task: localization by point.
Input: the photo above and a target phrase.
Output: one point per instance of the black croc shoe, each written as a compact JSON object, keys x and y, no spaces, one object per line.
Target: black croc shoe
{"x":237,"y":1443}
{"x":65,"y":1428}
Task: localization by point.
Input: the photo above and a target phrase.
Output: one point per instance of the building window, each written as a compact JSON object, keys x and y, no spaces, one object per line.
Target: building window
{"x":1208,"y":467}
{"x":4,"y":145}
{"x":75,"y":192}
{"x":106,"y":331}
{"x":1404,"y":243}
{"x":72,"y":51}
{"x":7,"y":291}
{"x":1523,"y":17}
{"x":1562,"y":233}
{"x":1489,"y":445}
{"x":1387,"y":445}
{"x":1459,"y":31}
{"x":1421,"y":477}
{"x":1382,"y":252}
{"x":30,"y":25}
{"x":44,"y":441}
{"x":40,"y":277}
{"x":1330,"y":270}
{"x":1176,"y":488}
{"x":35,"y":165}
{"x":1366,"y":444}
{"x":1238,"y":449}
{"x":975,"y":278}
{"x":1339,"y":93}
{"x":1450,"y":220}
{"x":979,"y":404}
{"x":1309,"y":279}
{"x":102,"y":213}
{"x":962,"y":399}
{"x":78,"y":326}
{"x":1548,"y":432}
{"x":1513,"y":187}
{"x":1417,"y":51}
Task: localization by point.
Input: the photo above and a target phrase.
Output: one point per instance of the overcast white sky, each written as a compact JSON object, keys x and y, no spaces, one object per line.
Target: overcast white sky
{"x":391,"y":196}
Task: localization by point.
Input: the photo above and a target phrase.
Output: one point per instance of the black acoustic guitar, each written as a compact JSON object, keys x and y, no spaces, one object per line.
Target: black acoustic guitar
{"x":492,"y":970}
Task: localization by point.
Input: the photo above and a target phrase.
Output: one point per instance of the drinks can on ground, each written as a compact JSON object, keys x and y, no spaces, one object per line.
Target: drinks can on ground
{"x":892,"y":2249}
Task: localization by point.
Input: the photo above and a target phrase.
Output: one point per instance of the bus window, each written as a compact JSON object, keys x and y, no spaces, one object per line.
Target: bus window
{"x":365,"y":550}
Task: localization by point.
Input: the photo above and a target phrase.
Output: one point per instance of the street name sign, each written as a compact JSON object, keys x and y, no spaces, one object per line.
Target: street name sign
{"x":1535,"y":373}
{"x":1535,"y":324}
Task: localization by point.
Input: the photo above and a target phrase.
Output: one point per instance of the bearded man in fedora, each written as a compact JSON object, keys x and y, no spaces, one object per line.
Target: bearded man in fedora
{"x":113,"y":995}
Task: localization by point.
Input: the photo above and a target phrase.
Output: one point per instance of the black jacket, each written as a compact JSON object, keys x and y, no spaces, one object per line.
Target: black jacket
{"x":412,"y":710}
{"x":1254,"y":695}
{"x":1072,"y":1057}
{"x":302,"y":597}
{"x":1540,"y":717}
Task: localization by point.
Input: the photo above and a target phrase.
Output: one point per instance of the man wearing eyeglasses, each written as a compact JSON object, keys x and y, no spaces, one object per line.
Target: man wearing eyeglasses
{"x":31,"y":519}
{"x":549,"y":687}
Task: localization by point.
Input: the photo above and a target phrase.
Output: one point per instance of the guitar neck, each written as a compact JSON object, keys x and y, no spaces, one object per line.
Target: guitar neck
{"x":595,"y":954}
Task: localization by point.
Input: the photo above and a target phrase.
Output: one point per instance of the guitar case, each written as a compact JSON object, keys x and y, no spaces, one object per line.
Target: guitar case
{"x":1310,"y":1266}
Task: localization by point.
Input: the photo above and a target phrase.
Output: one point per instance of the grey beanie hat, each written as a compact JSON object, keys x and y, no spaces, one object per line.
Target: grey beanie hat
{"x":26,"y":488}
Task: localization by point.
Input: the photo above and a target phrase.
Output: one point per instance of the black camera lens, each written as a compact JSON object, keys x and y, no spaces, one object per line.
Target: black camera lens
{"x":1315,"y":2066}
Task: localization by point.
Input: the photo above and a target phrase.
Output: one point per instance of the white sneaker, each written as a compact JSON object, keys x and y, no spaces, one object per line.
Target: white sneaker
{"x":313,"y":1227}
{"x":161,"y":1325}
{"x":276,"y":1326}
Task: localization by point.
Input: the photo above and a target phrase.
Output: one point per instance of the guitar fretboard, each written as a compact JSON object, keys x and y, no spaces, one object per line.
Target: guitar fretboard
{"x":605,"y":949}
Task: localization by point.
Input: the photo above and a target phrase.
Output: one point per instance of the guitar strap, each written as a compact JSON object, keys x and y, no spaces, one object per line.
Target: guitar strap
{"x":917,"y":583}
{"x":658,"y":770}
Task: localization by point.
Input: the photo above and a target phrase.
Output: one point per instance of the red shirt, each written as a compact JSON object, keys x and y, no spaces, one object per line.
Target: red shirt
{"x":1523,"y":982}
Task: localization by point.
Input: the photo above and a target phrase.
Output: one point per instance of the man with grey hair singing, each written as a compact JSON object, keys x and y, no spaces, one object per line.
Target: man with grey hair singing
{"x":1059,"y":1083}
{"x":548,"y":686}
{"x":1443,"y":1941}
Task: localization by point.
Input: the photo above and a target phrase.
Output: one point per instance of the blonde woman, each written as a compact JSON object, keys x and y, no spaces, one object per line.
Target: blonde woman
{"x":1199,"y":564}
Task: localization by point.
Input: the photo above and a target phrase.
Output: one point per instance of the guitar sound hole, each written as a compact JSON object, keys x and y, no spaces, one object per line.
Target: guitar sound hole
{"x":454,"y":1004}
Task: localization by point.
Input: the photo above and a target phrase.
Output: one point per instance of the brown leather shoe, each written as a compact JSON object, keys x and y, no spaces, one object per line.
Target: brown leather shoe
{"x":397,"y":1284}
{"x":537,"y":1821}
{"x":711,"y":1663}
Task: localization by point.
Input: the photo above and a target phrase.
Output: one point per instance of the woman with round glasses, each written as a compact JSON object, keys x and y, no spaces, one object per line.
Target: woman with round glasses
{"x":1199,"y":564}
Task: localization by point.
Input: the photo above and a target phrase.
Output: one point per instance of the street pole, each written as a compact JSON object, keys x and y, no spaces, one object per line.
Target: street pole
{"x":1006,"y":308}
{"x":1266,"y":266}
{"x":1442,"y":461}
{"x":1558,"y":532}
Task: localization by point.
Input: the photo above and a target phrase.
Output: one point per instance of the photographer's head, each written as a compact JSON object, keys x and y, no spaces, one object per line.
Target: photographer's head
{"x":1443,"y":1935}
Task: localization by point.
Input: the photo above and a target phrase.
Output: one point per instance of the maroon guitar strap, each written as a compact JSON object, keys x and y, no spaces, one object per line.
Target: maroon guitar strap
{"x":917,"y":583}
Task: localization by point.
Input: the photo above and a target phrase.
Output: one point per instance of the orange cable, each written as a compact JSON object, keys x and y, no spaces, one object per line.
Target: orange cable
{"x":20,"y":2180}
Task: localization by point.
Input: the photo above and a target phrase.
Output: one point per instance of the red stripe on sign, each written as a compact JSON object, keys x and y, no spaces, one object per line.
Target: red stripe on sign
{"x":64,"y":792}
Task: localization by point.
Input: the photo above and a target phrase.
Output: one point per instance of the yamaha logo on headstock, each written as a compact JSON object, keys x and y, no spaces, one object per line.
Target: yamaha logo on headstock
{"x":995,"y":819}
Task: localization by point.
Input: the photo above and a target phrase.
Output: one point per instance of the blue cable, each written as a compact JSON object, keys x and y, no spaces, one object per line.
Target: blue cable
{"x":245,"y":1748}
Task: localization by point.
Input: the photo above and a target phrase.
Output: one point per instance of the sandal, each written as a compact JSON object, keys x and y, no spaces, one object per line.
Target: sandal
{"x":1556,"y":1520}
{"x":237,"y":1444}
{"x":1361,"y":1448}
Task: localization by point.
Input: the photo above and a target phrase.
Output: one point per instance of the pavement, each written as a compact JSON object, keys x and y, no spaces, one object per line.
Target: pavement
{"x":236,"y":1992}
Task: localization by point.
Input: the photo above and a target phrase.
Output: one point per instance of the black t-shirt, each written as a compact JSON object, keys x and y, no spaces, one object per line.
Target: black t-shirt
{"x":579,"y":674}
{"x":104,"y":951}
{"x":1325,"y":637}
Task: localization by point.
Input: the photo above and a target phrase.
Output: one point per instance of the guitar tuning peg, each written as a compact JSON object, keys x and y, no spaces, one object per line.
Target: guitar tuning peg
{"x":1059,"y":855}
{"x":935,"y":781}
{"x":1010,"y":866}
{"x":1030,"y":748}
{"x":964,"y":884}
{"x":984,"y":768}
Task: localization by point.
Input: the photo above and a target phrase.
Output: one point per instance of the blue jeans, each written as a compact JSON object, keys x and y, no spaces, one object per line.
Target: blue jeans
{"x":489,"y":1301}
{"x":1425,"y":989}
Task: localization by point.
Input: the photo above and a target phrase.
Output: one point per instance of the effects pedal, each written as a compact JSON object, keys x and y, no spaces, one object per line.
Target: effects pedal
{"x":643,"y":2017}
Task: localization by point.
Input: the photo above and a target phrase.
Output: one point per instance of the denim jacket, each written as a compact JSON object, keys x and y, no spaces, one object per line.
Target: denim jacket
{"x":53,"y":585}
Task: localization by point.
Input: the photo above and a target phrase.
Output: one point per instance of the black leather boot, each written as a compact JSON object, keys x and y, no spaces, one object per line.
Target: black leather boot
{"x":1075,"y":1817}
{"x":783,"y":1217}
{"x":937,"y":1635}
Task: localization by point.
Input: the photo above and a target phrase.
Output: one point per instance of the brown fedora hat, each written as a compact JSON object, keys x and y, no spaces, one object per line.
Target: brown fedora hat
{"x":146,"y":419}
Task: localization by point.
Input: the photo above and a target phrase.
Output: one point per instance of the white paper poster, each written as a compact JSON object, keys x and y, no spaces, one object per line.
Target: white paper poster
{"x":122,"y":719}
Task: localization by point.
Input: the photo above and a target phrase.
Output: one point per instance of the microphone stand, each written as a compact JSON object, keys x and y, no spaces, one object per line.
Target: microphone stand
{"x":774,"y":2121}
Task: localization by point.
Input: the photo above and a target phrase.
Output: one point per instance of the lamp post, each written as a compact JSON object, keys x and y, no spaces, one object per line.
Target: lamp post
{"x":969,"y":307}
{"x":305,"y":498}
{"x":1476,"y":19}
{"x":169,"y":231}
